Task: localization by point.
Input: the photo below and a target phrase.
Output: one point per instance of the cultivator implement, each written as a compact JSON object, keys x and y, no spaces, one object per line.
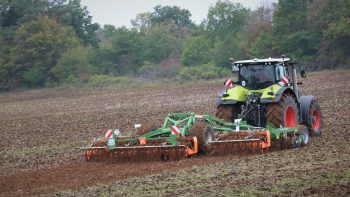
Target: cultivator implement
{"x":241,"y":143}
{"x":136,"y":153}
{"x":170,"y":142}
{"x":236,"y":138}
{"x":186,"y":134}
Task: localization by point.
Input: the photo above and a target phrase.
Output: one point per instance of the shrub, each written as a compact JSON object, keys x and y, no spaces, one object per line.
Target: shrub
{"x":111,"y":80}
{"x":204,"y":71}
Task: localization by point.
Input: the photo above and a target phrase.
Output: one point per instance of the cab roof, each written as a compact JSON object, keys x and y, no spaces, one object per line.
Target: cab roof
{"x":268,"y":60}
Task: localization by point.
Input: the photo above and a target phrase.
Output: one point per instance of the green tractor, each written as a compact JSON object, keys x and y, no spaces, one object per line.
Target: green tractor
{"x":266,"y":92}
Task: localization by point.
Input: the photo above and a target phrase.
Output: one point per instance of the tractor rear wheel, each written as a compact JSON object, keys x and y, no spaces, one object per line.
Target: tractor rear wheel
{"x":284,"y":113}
{"x":204,"y":133}
{"x":227,"y":112}
{"x":315,"y":117}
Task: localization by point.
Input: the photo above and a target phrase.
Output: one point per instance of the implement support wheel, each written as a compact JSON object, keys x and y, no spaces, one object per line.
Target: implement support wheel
{"x":204,"y":133}
{"x":303,"y":139}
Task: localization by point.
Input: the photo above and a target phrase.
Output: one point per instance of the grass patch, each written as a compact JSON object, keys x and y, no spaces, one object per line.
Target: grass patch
{"x":295,"y":185}
{"x":48,"y":149}
{"x":228,"y":178}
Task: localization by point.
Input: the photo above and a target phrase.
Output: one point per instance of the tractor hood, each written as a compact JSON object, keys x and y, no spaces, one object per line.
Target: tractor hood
{"x":239,"y":93}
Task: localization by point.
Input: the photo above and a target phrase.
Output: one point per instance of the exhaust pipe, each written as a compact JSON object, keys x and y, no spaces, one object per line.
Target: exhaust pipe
{"x":295,"y":82}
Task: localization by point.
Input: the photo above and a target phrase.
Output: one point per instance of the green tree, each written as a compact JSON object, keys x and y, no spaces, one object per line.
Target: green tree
{"x":196,"y":50}
{"x":75,"y":15}
{"x":258,"y":22}
{"x":142,"y":22}
{"x":262,"y":47}
{"x":38,"y":46}
{"x":202,"y":71}
{"x":14,"y":13}
{"x":161,"y":43}
{"x":71,"y":13}
{"x":128,"y":50}
{"x":104,"y":36}
{"x":104,"y":61}
{"x":334,"y":21}
{"x":226,"y":19}
{"x":225,"y":24}
{"x":291,"y":31}
{"x":230,"y":47}
{"x":73,"y":66}
{"x":166,"y":14}
{"x":5,"y":79}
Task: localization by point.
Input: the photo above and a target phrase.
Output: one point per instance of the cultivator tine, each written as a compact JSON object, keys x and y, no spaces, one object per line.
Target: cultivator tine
{"x":241,"y":143}
{"x":236,"y":147}
{"x":138,"y":153}
{"x":281,"y":144}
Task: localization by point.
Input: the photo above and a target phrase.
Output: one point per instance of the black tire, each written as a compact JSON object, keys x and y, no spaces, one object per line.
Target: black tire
{"x":315,"y":119}
{"x":228,"y":112}
{"x":303,"y":139}
{"x":284,"y":113}
{"x":205,"y":134}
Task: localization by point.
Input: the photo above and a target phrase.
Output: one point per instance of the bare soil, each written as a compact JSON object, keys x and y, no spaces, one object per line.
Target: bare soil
{"x":41,"y":132}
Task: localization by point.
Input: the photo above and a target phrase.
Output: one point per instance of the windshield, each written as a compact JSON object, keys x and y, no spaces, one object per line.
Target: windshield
{"x":257,"y":76}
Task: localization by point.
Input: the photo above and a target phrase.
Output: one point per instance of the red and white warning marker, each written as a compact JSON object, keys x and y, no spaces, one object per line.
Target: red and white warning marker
{"x":228,"y":83}
{"x":284,"y":80}
{"x":175,"y":130}
{"x":108,"y":134}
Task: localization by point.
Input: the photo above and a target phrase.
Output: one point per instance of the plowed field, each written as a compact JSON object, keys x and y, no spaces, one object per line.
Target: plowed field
{"x":41,"y":132}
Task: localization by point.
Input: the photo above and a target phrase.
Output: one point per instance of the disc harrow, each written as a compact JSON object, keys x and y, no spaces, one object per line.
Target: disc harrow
{"x":242,"y":143}
{"x":186,"y":134}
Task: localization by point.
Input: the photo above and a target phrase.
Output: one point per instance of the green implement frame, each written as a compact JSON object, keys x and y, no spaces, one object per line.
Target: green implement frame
{"x":184,"y":122}
{"x":183,"y":134}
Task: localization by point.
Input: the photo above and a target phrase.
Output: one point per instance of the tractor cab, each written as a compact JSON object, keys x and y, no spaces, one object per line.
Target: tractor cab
{"x":267,"y":93}
{"x":261,"y":73}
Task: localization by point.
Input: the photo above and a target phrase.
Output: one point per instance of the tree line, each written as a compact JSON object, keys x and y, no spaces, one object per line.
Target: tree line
{"x":54,"y":42}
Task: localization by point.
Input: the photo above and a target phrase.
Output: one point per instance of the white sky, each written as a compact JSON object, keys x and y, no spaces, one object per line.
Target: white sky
{"x":120,"y":12}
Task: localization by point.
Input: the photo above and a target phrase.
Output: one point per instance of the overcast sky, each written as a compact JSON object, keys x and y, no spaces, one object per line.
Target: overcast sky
{"x":120,"y":12}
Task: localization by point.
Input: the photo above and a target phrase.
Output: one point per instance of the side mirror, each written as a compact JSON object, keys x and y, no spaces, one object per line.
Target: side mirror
{"x":302,"y":71}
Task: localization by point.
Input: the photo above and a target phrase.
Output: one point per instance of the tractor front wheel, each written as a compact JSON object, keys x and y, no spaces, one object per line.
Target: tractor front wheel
{"x":284,"y":113}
